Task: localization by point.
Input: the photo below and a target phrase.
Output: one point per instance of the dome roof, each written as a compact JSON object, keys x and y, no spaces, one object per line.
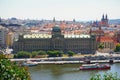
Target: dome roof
{"x":56,"y":29}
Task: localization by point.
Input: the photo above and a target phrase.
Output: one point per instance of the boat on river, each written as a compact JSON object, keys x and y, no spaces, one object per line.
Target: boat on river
{"x":29,"y":63}
{"x":94,"y":67}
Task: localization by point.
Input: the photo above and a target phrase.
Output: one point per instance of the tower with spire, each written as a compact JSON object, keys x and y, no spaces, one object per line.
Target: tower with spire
{"x":106,"y":17}
{"x":102,"y":17}
{"x":104,"y":21}
{"x":54,"y":19}
{"x":0,"y":19}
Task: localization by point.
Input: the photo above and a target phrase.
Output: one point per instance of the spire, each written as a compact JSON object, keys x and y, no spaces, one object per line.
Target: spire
{"x":73,"y":20}
{"x":0,"y":19}
{"x":103,"y":17}
{"x":106,"y":17}
{"x":54,"y":19}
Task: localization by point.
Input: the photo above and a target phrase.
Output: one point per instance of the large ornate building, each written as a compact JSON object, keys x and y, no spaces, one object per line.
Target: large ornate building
{"x":83,"y":43}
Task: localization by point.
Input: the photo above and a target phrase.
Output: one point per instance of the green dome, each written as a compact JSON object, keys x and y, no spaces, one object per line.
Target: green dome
{"x":56,"y":29}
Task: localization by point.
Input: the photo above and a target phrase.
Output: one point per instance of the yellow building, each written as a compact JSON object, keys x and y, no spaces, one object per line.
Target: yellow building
{"x":9,"y":39}
{"x":83,"y":43}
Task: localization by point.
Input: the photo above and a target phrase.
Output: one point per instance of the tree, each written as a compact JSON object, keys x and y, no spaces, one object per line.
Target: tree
{"x":34,"y":53}
{"x":106,"y":76}
{"x":41,"y":52}
{"x":55,"y":53}
{"x":101,"y":46}
{"x":117,"y":48}
{"x":23,"y":54}
{"x":60,"y":53}
{"x":2,"y":56}
{"x":70,"y":53}
{"x":52,"y":53}
{"x":11,"y":71}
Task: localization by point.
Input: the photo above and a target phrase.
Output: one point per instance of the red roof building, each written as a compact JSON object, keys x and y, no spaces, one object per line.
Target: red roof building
{"x":97,"y":32}
{"x":107,"y":41}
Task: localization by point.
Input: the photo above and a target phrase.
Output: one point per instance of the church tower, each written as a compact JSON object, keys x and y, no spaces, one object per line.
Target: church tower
{"x":104,"y":20}
{"x":106,"y":17}
{"x":102,"y":17}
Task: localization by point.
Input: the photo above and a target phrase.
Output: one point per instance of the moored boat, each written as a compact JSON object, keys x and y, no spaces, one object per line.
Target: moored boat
{"x":95,"y":67}
{"x":29,"y":63}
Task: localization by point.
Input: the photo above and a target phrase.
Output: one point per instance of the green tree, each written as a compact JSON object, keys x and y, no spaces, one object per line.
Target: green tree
{"x":106,"y":76}
{"x":117,"y":48}
{"x":54,"y":53}
{"x":60,"y":53}
{"x":41,"y":52}
{"x":101,"y":46}
{"x":70,"y":53}
{"x":11,"y":71}
{"x":23,"y":54}
{"x":34,"y":53}
{"x":2,"y":56}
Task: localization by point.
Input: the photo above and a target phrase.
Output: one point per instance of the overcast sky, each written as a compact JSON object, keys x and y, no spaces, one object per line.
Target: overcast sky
{"x":60,"y":9}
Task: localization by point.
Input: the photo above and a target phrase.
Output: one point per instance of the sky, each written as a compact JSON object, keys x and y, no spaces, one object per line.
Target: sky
{"x":80,"y":10}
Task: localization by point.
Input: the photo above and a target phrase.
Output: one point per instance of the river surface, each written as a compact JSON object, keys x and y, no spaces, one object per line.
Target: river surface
{"x":66,"y":72}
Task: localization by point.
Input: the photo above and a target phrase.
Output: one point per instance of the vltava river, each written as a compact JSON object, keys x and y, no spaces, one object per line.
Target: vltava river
{"x":66,"y":72}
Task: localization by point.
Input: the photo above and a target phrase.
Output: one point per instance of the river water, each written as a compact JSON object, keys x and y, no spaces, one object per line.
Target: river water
{"x":66,"y":72}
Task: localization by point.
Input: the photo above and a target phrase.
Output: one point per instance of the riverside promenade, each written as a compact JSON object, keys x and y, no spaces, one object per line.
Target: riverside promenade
{"x":96,"y":58}
{"x":61,"y":60}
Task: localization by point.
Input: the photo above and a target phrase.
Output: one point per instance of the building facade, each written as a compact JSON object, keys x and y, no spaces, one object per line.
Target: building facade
{"x":9,"y":39}
{"x":3,"y":33}
{"x":107,"y":42}
{"x":56,"y":41}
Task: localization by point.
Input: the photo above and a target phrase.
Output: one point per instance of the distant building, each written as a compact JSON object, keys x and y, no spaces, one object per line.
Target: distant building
{"x":118,"y":36}
{"x":0,"y":19}
{"x":98,"y":32}
{"x":102,"y":23}
{"x":56,"y":41}
{"x":3,"y":33}
{"x":107,"y":41}
{"x":9,"y":39}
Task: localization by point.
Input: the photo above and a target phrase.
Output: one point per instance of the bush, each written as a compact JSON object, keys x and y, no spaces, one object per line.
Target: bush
{"x":117,"y":48}
{"x":60,"y":53}
{"x":106,"y":76}
{"x":70,"y":53}
{"x":101,"y":46}
{"x":34,"y":54}
{"x":52,"y":53}
{"x":23,"y":54}
{"x":42,"y":53}
{"x":11,"y":71}
{"x":2,"y":56}
{"x":55,"y":53}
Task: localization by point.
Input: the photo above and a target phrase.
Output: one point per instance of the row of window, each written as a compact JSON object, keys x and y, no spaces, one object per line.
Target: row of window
{"x":108,"y":44}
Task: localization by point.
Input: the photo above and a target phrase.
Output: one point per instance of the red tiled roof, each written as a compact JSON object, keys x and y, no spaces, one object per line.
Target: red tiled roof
{"x":115,"y":40}
{"x":97,"y":32}
{"x":105,"y":39}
